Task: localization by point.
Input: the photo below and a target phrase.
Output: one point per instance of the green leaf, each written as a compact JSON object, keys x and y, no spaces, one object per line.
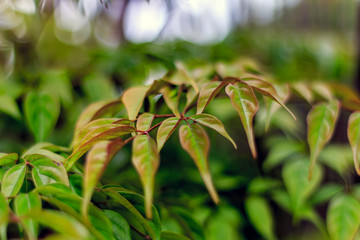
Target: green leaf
{"x":96,"y":124}
{"x":343,"y":219}
{"x":165,"y":130}
{"x":76,"y":183}
{"x":323,"y":90}
{"x":59,"y":237}
{"x":337,"y":157}
{"x":24,"y":204}
{"x":212,"y":122}
{"x":260,"y":216}
{"x":42,"y":153}
{"x":353,"y":133}
{"x":297,"y":184}
{"x":46,"y":171}
{"x":245,"y":103}
{"x":304,"y":91}
{"x":190,"y":97}
{"x":88,"y":114}
{"x":58,"y":83}
{"x":120,"y":226}
{"x":13,"y":180}
{"x":41,"y":112}
{"x":144,"y":121}
{"x":171,"y":98}
{"x":195,"y":142}
{"x":282,"y":151}
{"x":267,"y":89}
{"x":4,"y":216}
{"x":261,"y":185}
{"x":60,"y":222}
{"x":146,"y":160}
{"x":8,"y":105}
{"x":272,"y":107}
{"x":98,"y":88}
{"x":181,"y":76}
{"x":207,"y":93}
{"x":321,"y":123}
{"x":109,"y":109}
{"x":325,"y":193}
{"x":133,"y":99}
{"x":166,"y":235}
{"x":138,"y":202}
{"x":66,"y":200}
{"x":96,"y":162}
{"x":190,"y":225}
{"x":130,"y":213}
{"x":44,"y":146}
{"x":107,"y":132}
{"x":8,"y":158}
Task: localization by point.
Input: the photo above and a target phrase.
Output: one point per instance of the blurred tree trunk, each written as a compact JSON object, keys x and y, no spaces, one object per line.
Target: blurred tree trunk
{"x":121,"y":24}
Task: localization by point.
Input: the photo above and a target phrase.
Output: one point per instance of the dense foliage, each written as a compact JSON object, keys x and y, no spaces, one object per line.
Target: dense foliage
{"x":48,"y":190}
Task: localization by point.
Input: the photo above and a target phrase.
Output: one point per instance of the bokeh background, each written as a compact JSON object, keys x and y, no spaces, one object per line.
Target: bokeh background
{"x":89,"y":50}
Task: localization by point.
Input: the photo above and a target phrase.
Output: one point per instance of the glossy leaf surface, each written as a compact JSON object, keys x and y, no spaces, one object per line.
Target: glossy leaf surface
{"x":207,"y":93}
{"x":94,"y":136}
{"x":195,"y":142}
{"x":343,"y":219}
{"x":213,"y":122}
{"x":321,"y":123}
{"x":120,"y":226}
{"x":146,"y":160}
{"x":144,"y":121}
{"x":165,"y":130}
{"x":46,"y":171}
{"x":87,"y":115}
{"x":24,"y":204}
{"x":61,"y":223}
{"x":8,"y":158}
{"x":171,"y":99}
{"x":96,"y":162}
{"x":245,"y":103}
{"x":133,"y":99}
{"x":13,"y":180}
{"x":267,"y":89}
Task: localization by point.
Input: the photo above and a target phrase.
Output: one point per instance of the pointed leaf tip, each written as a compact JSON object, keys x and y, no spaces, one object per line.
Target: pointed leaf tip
{"x":321,"y":122}
{"x":213,"y":122}
{"x":245,"y":103}
{"x":195,"y":142}
{"x":145,"y":159}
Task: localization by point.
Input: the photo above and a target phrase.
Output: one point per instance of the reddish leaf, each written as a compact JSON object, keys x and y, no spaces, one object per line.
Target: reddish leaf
{"x":144,"y":121}
{"x":96,"y":162}
{"x":195,"y":142}
{"x":146,"y":161}
{"x":133,"y":99}
{"x":213,"y":123}
{"x":207,"y":93}
{"x":245,"y":103}
{"x":267,"y":89}
{"x":165,"y":130}
{"x":105,"y":133}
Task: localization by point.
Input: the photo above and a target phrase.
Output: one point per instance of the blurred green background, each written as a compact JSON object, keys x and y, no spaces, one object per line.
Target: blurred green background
{"x":78,"y":52}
